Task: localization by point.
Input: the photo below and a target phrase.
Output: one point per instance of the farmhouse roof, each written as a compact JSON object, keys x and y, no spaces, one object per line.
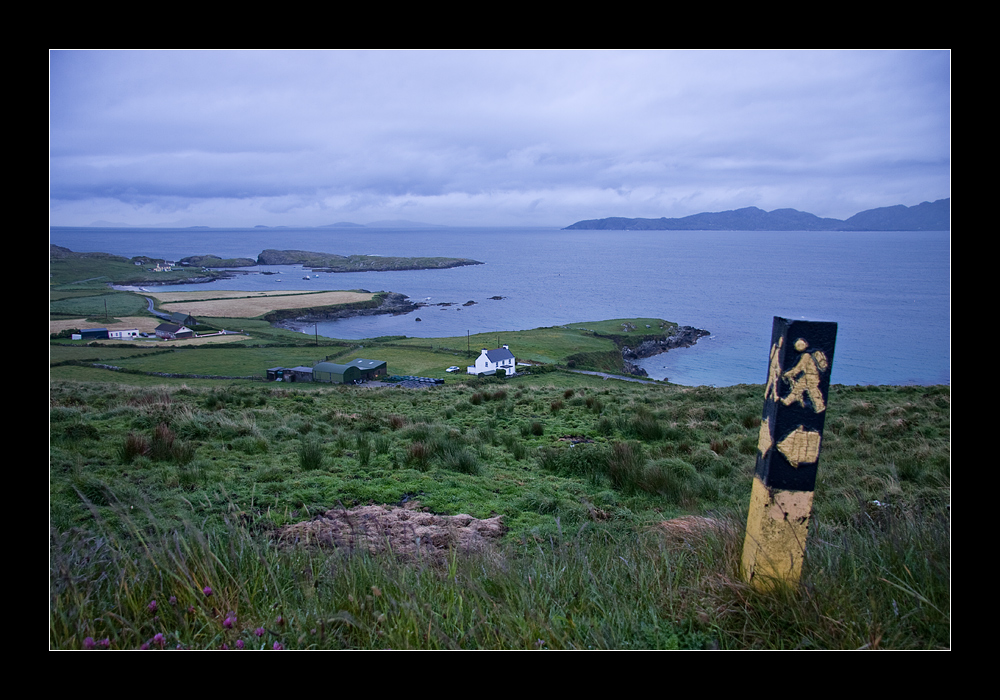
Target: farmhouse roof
{"x":499,"y":354}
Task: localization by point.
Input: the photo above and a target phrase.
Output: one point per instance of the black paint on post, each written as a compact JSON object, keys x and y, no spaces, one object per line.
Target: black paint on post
{"x":795,"y":398}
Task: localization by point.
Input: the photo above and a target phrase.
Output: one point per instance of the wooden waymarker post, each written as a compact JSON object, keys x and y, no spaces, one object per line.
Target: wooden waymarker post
{"x":791,"y":430}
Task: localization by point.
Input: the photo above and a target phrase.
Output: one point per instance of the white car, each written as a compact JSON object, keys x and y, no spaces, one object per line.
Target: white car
{"x":453,"y":368}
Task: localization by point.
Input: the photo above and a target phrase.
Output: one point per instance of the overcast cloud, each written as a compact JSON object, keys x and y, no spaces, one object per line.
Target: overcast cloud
{"x":490,"y":138}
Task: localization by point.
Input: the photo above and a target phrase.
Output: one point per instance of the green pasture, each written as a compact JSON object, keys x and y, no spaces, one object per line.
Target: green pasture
{"x":93,"y":273}
{"x":115,"y":303}
{"x":545,"y":345}
{"x":186,"y":486}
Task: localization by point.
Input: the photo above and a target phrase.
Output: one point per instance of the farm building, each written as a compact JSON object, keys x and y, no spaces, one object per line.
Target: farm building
{"x":500,"y":360}
{"x":94,"y":333}
{"x":354,"y":371}
{"x":172,"y":331}
{"x":290,"y":374}
{"x":182,"y":318}
{"x":129,"y":334}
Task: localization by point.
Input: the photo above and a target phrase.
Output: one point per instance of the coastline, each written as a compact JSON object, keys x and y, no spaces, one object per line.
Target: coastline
{"x":684,"y":337}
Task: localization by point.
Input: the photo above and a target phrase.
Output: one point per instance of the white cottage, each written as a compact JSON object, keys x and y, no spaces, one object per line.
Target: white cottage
{"x":492,"y":360}
{"x":130,"y":334}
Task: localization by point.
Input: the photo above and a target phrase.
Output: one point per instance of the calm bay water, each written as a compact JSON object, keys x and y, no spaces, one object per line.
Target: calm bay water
{"x":888,"y":291}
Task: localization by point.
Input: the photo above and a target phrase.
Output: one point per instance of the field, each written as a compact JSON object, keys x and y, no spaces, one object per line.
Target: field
{"x":243,"y":305}
{"x":197,"y":480}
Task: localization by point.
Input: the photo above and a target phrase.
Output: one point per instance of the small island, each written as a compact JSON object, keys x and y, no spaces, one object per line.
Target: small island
{"x":331,"y":262}
{"x":149,"y":271}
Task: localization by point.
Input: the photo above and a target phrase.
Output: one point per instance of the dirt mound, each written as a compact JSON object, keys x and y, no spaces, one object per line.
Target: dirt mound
{"x":405,"y":531}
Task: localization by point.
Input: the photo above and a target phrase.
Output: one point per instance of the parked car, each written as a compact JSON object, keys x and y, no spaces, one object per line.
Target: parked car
{"x":453,"y":368}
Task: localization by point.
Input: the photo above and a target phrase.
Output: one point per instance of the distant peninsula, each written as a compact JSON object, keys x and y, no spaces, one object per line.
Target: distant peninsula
{"x":927,"y":216}
{"x":330,"y":262}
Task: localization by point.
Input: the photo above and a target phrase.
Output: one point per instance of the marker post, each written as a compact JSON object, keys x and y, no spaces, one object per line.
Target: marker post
{"x":788,"y":446}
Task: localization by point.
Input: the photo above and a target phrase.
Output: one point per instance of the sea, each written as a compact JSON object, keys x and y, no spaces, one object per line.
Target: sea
{"x":889,"y":292}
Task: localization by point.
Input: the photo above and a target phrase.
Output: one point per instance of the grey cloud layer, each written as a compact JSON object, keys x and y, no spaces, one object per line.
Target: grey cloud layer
{"x":529,"y":137}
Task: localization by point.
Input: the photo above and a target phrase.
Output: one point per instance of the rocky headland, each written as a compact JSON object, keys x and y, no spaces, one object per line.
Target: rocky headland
{"x":682,"y":337}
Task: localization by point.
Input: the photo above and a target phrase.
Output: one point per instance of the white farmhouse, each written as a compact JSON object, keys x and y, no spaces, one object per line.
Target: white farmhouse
{"x":130,"y":334}
{"x":492,"y":360}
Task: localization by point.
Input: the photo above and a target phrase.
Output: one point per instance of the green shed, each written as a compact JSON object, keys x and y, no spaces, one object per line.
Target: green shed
{"x":354,"y":371}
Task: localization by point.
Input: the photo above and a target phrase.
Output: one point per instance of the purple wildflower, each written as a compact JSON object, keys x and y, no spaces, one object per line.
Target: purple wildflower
{"x":173,"y":600}
{"x":277,"y":646}
{"x":225,"y":647}
{"x":228,"y":622}
{"x":239,"y":643}
{"x":89,"y":643}
{"x":280,"y":620}
{"x":152,"y":606}
{"x":206,"y":590}
{"x":106,"y":643}
{"x":259,"y":631}
{"x":144,"y":646}
{"x":158,"y":639}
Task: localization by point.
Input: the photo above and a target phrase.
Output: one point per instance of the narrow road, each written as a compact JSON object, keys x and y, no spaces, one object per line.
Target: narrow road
{"x":149,"y":306}
{"x":614,"y":376}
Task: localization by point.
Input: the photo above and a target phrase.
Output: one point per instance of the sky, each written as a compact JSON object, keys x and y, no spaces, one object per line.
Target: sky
{"x":489,"y":138}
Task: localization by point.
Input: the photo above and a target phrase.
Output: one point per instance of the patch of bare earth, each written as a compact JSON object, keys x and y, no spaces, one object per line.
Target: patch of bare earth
{"x":405,"y":531}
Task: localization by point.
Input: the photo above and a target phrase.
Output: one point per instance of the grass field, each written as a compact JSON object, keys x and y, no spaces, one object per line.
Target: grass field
{"x":158,"y":491}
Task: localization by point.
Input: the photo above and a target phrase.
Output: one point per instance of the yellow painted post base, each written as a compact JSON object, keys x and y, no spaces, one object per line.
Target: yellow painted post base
{"x":775,"y":543}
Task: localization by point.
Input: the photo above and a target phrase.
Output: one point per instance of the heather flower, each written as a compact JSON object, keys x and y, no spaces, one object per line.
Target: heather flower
{"x":89,"y":643}
{"x":158,"y":639}
{"x":106,"y":643}
{"x":152,"y":606}
{"x":206,"y":590}
{"x":239,"y":643}
{"x":228,"y":622}
{"x":277,"y":646}
{"x":259,"y":631}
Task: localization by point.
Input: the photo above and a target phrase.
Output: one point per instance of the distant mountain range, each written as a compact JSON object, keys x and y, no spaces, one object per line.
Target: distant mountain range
{"x":927,"y":216}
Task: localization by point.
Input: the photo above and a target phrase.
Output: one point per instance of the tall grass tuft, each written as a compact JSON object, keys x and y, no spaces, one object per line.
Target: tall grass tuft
{"x":135,"y":445}
{"x":310,"y":455}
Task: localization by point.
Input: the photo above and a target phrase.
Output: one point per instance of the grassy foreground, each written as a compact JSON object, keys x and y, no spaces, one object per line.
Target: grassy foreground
{"x":166,"y":500}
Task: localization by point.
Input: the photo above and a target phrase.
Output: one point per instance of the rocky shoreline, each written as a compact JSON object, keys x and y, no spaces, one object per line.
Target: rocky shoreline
{"x":683,"y":337}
